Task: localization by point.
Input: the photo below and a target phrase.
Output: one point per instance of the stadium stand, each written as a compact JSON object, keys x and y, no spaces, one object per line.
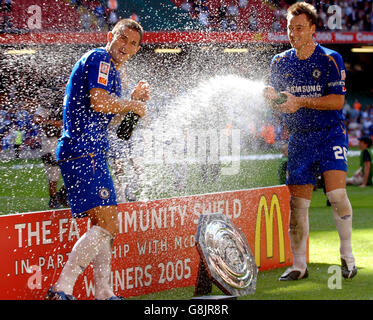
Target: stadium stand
{"x":182,"y":15}
{"x":231,"y":15}
{"x":156,"y":15}
{"x":257,"y":15}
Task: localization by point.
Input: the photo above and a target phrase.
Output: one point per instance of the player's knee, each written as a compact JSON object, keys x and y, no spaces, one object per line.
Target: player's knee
{"x":106,"y":218}
{"x":299,"y":203}
{"x":340,"y":203}
{"x":112,"y":226}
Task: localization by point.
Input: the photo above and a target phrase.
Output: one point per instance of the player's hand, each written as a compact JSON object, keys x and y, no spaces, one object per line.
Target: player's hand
{"x":291,"y":105}
{"x":141,"y":91}
{"x":279,"y":101}
{"x":270,"y":94}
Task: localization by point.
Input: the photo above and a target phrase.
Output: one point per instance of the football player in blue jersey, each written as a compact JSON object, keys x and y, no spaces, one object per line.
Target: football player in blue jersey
{"x":307,"y":86}
{"x":92,"y":99}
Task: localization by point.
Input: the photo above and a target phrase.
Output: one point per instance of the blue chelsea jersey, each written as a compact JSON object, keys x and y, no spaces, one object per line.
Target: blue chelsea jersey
{"x":323,"y":73}
{"x":85,"y":130}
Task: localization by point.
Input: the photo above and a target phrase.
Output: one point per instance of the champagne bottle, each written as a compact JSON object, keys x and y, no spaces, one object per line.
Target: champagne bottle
{"x":281,"y":98}
{"x":127,"y":125}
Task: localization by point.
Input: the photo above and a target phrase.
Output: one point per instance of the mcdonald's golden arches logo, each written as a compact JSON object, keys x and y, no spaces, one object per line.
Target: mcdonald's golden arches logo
{"x":269,"y":217}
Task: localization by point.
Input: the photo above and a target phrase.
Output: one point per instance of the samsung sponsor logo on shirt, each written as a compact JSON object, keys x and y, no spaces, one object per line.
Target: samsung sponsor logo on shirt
{"x":304,"y":89}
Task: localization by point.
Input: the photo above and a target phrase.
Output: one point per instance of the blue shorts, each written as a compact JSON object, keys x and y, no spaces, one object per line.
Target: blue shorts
{"x":312,"y":153}
{"x":88,"y":183}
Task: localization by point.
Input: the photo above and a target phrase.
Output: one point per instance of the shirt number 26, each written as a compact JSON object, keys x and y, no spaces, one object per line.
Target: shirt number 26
{"x":340,"y":153}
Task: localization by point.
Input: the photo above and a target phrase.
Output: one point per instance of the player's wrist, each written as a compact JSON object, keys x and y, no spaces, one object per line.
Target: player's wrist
{"x":133,"y":105}
{"x":300,"y":100}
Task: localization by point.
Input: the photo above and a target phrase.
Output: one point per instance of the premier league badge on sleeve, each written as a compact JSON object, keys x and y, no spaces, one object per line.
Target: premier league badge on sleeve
{"x":103,"y":74}
{"x":225,"y":254}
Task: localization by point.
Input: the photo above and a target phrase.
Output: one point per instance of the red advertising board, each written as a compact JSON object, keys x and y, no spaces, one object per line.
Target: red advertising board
{"x":182,"y":37}
{"x":154,"y":250}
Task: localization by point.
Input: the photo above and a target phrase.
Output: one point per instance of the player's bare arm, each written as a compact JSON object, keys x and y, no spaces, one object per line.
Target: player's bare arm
{"x":140,"y":93}
{"x":293,"y":103}
{"x":328,"y":102}
{"x":102,"y":101}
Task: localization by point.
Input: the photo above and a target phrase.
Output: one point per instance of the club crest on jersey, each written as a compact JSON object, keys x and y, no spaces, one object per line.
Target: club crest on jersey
{"x":103,"y":74}
{"x":104,"y":193}
{"x":316,"y":74}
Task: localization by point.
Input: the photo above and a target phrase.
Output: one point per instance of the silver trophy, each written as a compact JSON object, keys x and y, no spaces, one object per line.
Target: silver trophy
{"x":226,"y":258}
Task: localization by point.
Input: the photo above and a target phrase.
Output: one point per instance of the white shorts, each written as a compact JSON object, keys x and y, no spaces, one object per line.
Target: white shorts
{"x":49,"y":145}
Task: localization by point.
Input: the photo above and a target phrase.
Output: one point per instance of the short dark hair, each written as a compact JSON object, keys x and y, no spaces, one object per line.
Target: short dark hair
{"x":299,"y":8}
{"x":367,"y":141}
{"x":131,"y":24}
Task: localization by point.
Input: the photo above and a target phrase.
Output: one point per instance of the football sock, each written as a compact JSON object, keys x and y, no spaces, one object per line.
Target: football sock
{"x":84,"y":250}
{"x":342,"y":213}
{"x":344,"y":228}
{"x":102,"y":272}
{"x":298,"y":231}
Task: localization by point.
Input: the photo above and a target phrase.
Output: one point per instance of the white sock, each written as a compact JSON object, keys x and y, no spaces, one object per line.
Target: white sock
{"x":342,"y":213}
{"x":84,"y":250}
{"x":298,"y":231}
{"x":344,"y":228}
{"x":102,"y":272}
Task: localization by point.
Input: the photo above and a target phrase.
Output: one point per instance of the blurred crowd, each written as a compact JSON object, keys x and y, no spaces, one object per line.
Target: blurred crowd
{"x":17,"y":129}
{"x":359,"y":120}
{"x":356,"y":15}
{"x":20,"y":86}
{"x":95,"y":15}
{"x":222,"y":15}
{"x":267,"y":16}
{"x":5,"y":9}
{"x":100,"y":15}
